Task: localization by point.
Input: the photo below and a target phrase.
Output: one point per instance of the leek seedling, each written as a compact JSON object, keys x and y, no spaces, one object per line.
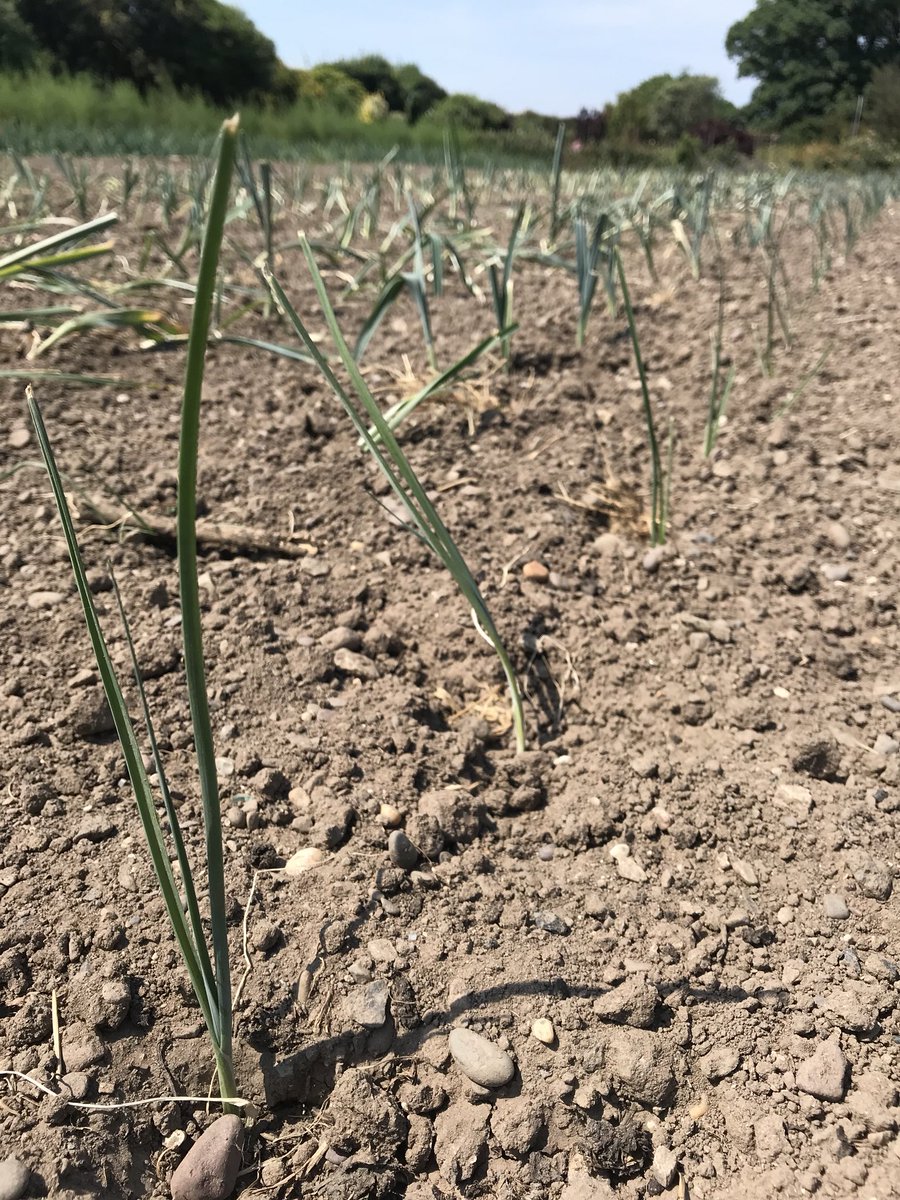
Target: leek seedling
{"x":501,"y":283}
{"x":659,"y":488}
{"x":719,"y":393}
{"x":555,"y":179}
{"x":399,"y":473}
{"x":590,"y":256}
{"x":690,"y":239}
{"x":57,"y":250}
{"x":209,"y":973}
{"x":416,"y":283}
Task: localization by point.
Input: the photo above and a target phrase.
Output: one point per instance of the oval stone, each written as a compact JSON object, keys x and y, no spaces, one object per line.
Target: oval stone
{"x":480,"y":1060}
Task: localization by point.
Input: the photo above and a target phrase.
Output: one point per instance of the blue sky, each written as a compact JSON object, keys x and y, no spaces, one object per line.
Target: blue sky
{"x":551,"y":55}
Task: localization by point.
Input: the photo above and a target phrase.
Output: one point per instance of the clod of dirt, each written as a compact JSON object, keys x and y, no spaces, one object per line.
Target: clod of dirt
{"x":103,"y":1003}
{"x":352,"y":663}
{"x":480,"y":1060}
{"x":89,"y":715}
{"x":633,"y":1002}
{"x":365,"y":1117}
{"x":824,"y":1075}
{"x":874,"y":877}
{"x":518,"y":1125}
{"x":820,"y":758}
{"x":460,"y":1141}
{"x":426,"y":835}
{"x":641,"y":1067}
{"x":622,"y":1149}
{"x":721,"y":1062}
{"x":210,"y":1168}
{"x":419,"y":1144}
{"x":454,"y":812}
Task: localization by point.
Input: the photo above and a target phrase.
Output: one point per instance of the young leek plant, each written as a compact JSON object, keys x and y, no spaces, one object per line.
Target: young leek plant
{"x":381,"y":443}
{"x":209,"y":972}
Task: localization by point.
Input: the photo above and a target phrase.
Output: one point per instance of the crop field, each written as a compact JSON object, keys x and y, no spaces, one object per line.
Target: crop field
{"x":527,"y":826}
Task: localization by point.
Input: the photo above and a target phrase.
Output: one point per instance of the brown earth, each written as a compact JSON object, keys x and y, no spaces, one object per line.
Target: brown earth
{"x":712,"y":768}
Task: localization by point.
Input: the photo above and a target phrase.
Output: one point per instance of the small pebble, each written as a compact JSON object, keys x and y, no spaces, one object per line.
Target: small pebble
{"x":304,"y":860}
{"x":550,"y":922}
{"x":630,"y":869}
{"x":210,"y":1168}
{"x":14,"y":1178}
{"x":665,"y":1165}
{"x":836,"y":907}
{"x":401,"y":851}
{"x":745,"y":871}
{"x":367,"y":1005}
{"x":837,"y":535}
{"x":480,"y":1060}
{"x":390,"y":815}
{"x":19,"y":438}
{"x":720,"y":1063}
{"x":886,"y":745}
{"x":352,"y":663}
{"x":836,"y":572}
{"x":651,"y":560}
{"x":542,"y":1029}
{"x":43,"y":599}
{"x":536,"y":571}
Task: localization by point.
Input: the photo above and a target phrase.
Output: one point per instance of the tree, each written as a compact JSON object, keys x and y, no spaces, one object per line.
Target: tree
{"x":376,"y":75}
{"x":883,"y":102}
{"x":468,"y":112}
{"x":18,"y":45}
{"x":197,"y":45}
{"x":812,"y":57}
{"x":420,"y":91}
{"x":665,"y":107}
{"x":329,"y":86}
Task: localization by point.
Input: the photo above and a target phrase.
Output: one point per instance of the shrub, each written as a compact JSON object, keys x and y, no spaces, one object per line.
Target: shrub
{"x":373,"y":109}
{"x":468,"y":112}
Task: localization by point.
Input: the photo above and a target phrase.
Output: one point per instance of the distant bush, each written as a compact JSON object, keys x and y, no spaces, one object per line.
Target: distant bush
{"x":664,"y":107}
{"x":374,"y":108}
{"x":468,"y":112}
{"x":591,"y":125}
{"x":883,"y":103}
{"x":330,"y":86}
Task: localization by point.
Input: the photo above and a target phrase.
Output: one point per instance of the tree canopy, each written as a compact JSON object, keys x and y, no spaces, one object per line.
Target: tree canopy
{"x":196,"y":45}
{"x":664,"y":107}
{"x":812,"y":57}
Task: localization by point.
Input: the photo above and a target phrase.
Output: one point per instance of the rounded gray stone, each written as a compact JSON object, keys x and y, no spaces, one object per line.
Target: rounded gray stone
{"x":401,"y":851}
{"x":480,"y":1060}
{"x":836,"y":907}
{"x":14,"y":1178}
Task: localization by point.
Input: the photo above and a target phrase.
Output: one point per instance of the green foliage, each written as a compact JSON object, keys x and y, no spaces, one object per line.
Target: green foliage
{"x":665,"y":107}
{"x":375,"y":74}
{"x":18,"y":45}
{"x":812,"y":57}
{"x":420,"y":91}
{"x":204,"y":46}
{"x":374,"y":108}
{"x":462,"y":111}
{"x":883,"y":103}
{"x":330,"y":86}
